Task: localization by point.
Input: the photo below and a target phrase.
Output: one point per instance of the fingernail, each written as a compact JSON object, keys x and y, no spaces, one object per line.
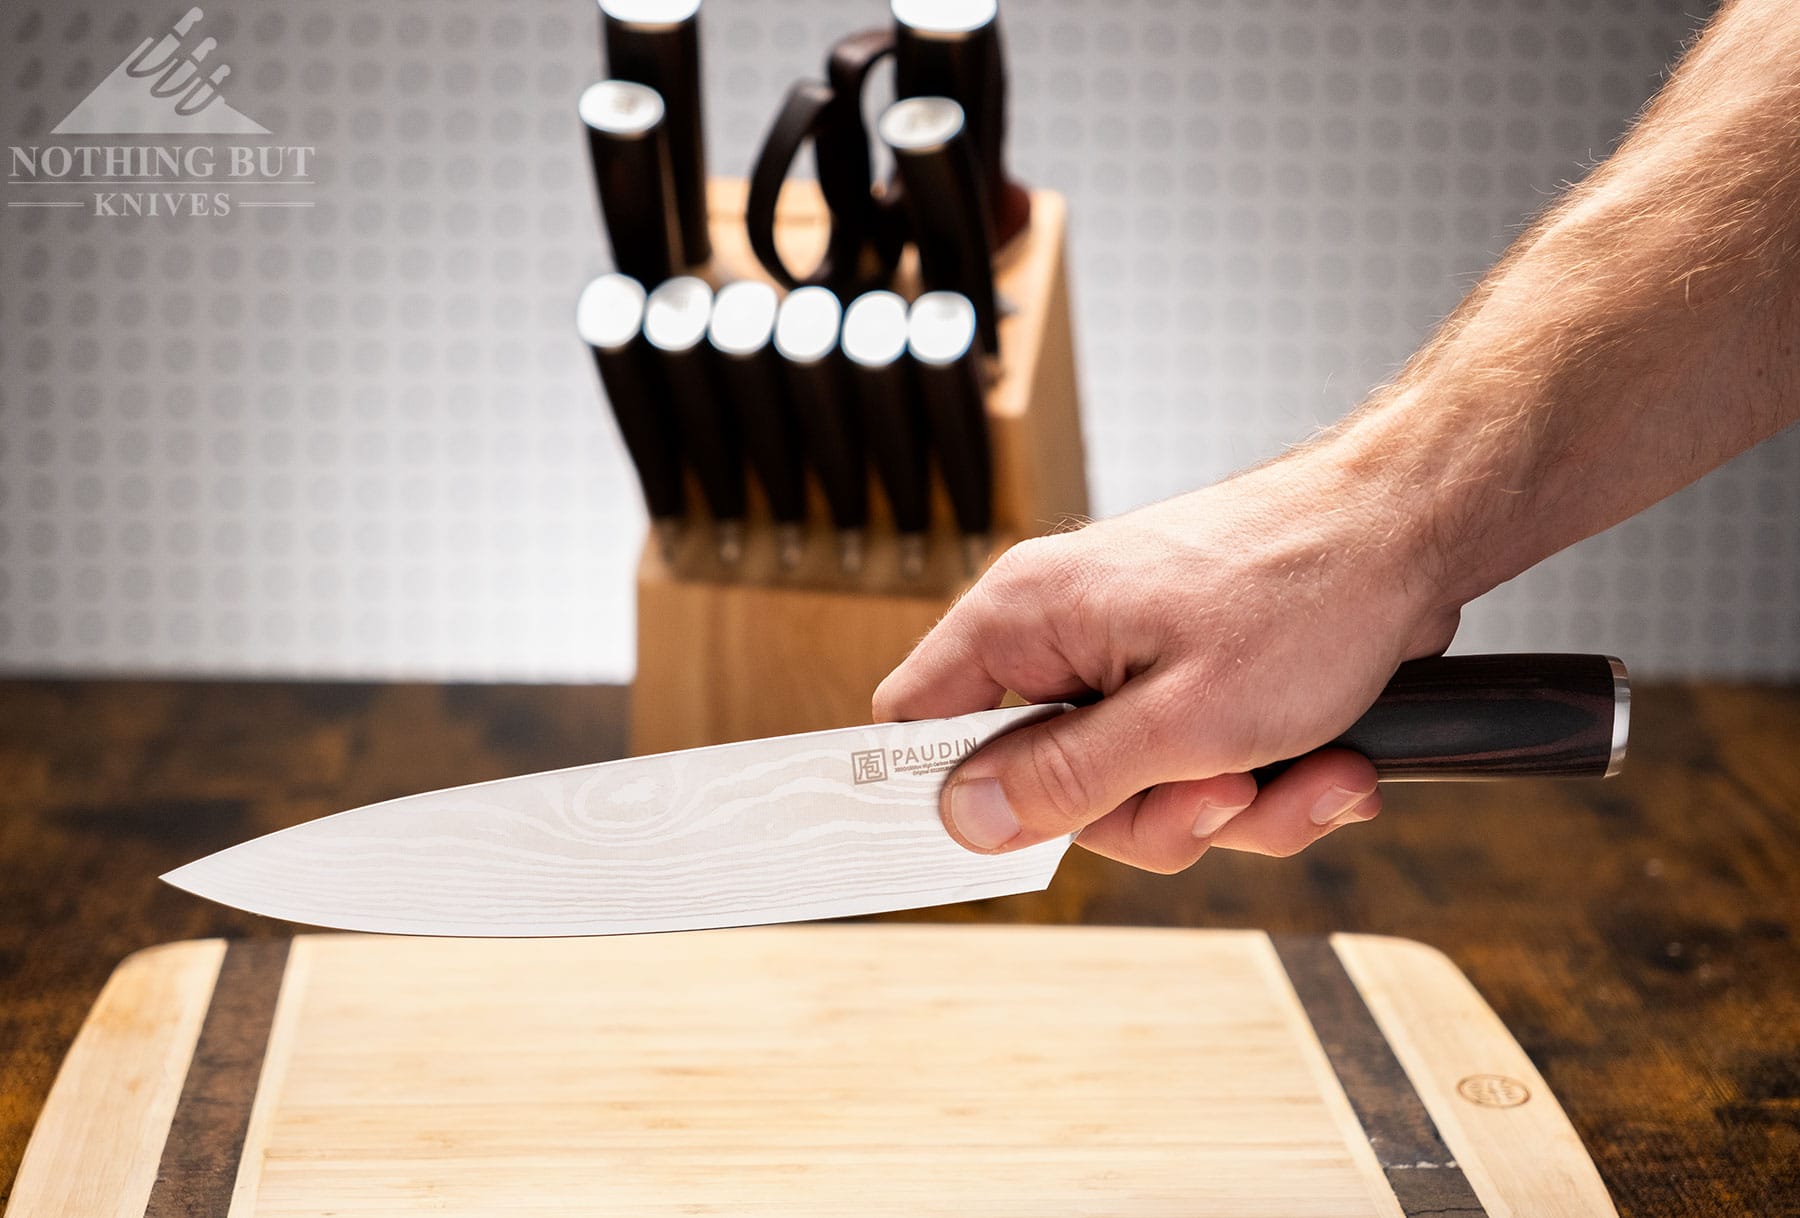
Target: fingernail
{"x":982,"y":817}
{"x":1213,"y":817}
{"x":1336,"y":802}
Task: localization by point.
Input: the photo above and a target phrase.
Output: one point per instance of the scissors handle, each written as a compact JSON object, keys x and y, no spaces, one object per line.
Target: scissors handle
{"x":863,"y":245}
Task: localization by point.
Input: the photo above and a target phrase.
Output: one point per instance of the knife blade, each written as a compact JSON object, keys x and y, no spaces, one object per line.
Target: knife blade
{"x":820,"y":825}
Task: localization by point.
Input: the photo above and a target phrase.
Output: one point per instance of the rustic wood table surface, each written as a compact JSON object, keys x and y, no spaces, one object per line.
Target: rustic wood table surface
{"x":1641,"y":938}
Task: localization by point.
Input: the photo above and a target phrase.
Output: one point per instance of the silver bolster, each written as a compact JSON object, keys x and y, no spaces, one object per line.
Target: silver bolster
{"x":1621,"y":728}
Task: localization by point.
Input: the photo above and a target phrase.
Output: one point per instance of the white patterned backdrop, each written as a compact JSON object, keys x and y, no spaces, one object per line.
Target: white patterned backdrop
{"x":358,"y":438}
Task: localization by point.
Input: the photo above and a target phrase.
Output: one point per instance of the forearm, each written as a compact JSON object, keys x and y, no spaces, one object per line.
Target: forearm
{"x":1641,"y":333}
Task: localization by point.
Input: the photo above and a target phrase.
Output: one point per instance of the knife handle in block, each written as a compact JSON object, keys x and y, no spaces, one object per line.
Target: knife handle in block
{"x":628,"y":147}
{"x":741,"y":335}
{"x":808,"y":327}
{"x":657,"y":44}
{"x":1495,"y":716}
{"x":610,"y":318}
{"x":941,"y":338}
{"x":675,"y":322}
{"x":874,"y":345}
{"x":941,"y":193}
{"x":953,"y":50}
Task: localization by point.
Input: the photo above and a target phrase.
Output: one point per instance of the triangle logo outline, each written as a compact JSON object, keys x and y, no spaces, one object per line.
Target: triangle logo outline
{"x":165,"y":86}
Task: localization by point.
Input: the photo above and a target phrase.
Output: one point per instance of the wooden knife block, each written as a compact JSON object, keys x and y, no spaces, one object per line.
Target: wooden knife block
{"x":732,"y":653}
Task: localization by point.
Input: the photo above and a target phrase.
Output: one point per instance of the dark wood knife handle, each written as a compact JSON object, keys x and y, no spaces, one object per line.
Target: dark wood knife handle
{"x":1495,"y":716}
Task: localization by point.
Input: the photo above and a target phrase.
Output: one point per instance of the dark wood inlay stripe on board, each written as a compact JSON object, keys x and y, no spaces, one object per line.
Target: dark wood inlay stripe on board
{"x":206,"y":1136}
{"x":1419,"y":1167}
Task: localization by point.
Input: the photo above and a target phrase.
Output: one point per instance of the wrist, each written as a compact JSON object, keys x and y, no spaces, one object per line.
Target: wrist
{"x":1431,"y":507}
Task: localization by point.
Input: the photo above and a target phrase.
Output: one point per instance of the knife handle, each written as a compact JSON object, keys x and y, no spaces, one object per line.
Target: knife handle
{"x":741,"y":335}
{"x":954,"y":50}
{"x":610,"y":319}
{"x":1495,"y":716}
{"x":628,"y":149}
{"x":808,"y":327}
{"x":874,"y":346}
{"x":675,"y":321}
{"x":661,"y":49}
{"x":946,"y":354}
{"x":942,"y":196}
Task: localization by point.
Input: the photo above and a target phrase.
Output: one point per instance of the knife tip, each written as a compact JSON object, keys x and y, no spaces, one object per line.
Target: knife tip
{"x":181,"y":877}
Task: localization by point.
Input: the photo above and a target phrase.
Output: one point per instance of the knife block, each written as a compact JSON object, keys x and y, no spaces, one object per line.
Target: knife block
{"x":733,"y":653}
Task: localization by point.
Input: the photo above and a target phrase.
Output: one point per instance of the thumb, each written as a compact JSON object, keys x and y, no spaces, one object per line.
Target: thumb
{"x":1049,"y":779}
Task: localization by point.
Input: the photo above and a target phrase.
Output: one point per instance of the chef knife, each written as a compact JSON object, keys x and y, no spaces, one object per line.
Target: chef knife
{"x":675,"y":321}
{"x":874,"y":345}
{"x":657,"y":43}
{"x":610,"y":319}
{"x":825,"y":824}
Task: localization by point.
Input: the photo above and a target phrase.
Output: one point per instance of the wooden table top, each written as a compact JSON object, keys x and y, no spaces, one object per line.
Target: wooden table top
{"x":1641,"y":937}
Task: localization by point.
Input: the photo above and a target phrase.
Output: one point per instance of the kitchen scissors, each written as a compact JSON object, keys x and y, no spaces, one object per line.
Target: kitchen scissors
{"x":867,"y":231}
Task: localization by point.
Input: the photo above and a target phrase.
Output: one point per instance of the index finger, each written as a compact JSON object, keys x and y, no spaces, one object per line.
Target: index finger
{"x":945,"y":674}
{"x":997,"y":638}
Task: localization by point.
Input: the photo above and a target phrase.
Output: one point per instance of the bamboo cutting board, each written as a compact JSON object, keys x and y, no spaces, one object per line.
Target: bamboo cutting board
{"x":842,"y":1070}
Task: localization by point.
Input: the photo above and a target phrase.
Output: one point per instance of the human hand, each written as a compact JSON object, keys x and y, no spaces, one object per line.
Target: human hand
{"x":1226,"y":629}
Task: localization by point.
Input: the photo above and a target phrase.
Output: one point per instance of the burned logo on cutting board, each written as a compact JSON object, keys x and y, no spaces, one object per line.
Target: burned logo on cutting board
{"x":1493,"y":1091}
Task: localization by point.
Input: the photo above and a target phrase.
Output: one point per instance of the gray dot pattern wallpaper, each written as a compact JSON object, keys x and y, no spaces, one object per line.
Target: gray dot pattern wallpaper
{"x":329,"y":416}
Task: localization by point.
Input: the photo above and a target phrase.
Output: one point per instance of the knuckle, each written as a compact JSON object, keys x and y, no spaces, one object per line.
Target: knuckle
{"x":1058,"y":777}
{"x":1018,"y":565}
{"x":1042,"y":567}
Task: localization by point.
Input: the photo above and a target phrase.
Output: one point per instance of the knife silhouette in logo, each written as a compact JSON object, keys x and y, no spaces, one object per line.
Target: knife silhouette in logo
{"x":164,"y":87}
